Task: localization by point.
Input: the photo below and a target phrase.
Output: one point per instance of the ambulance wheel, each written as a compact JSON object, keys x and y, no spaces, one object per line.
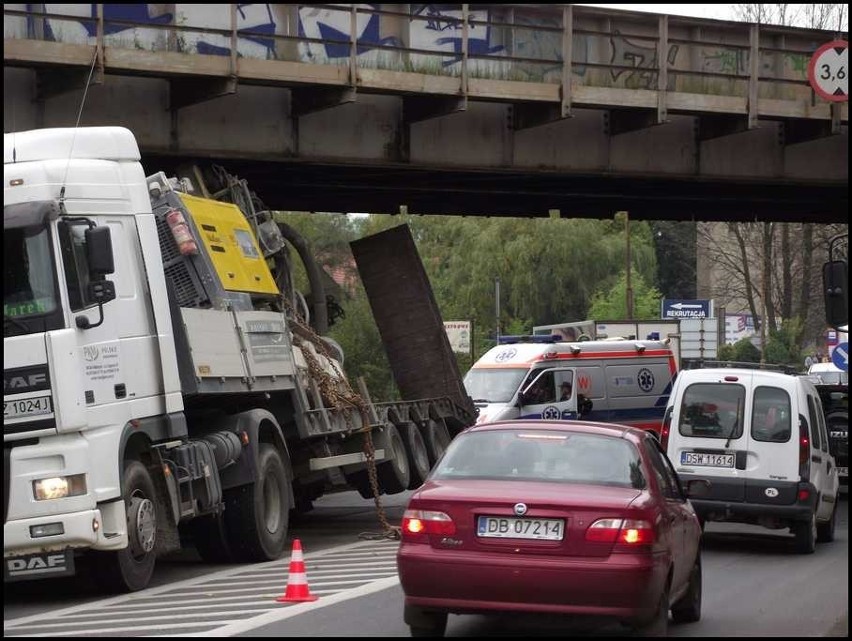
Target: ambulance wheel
{"x":257,"y":514}
{"x":130,"y":569}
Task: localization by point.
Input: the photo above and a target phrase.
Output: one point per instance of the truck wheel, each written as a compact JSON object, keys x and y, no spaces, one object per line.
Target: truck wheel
{"x":211,"y":539}
{"x":395,"y":474}
{"x":257,"y":515}
{"x":360,"y":480}
{"x":130,"y":569}
{"x":418,"y":456}
{"x":437,"y":438}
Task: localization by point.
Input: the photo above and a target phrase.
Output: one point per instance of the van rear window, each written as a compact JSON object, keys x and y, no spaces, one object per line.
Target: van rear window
{"x":712,"y":410}
{"x":771,"y":421}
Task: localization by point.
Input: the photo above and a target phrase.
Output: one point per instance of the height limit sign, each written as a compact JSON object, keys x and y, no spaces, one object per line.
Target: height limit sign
{"x":828,"y":71}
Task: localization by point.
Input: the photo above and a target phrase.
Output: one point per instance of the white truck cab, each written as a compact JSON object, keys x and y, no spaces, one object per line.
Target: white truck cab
{"x":759,"y":437}
{"x":625,"y":382}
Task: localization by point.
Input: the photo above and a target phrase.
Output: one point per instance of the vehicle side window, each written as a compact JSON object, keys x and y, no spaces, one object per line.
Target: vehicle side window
{"x":771,"y":415}
{"x":814,"y":412}
{"x":72,"y":240}
{"x":665,"y":474}
{"x":823,"y":428}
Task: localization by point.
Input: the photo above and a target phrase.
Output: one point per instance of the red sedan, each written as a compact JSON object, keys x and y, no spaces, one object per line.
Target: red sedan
{"x":566,"y":517}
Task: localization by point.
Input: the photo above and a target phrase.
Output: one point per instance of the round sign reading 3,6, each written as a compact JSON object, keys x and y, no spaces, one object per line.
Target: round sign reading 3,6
{"x":828,"y":71}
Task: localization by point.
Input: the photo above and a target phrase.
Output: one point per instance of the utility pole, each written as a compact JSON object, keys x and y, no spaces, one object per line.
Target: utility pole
{"x":497,"y":307}
{"x":629,"y":289}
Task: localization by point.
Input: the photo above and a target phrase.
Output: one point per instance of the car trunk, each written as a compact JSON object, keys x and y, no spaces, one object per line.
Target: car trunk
{"x":575,"y":505}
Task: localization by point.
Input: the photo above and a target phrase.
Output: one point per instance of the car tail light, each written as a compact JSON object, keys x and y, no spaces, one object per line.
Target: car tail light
{"x":623,"y":532}
{"x":418,"y":524}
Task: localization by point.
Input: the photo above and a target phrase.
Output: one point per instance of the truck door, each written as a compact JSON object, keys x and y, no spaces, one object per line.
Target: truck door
{"x":549,"y":395}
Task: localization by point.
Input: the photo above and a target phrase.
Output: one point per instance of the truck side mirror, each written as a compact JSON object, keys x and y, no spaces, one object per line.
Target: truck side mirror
{"x":835,"y":280}
{"x":99,"y":252}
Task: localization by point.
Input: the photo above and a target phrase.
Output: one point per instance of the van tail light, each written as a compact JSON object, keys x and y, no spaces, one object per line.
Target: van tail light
{"x":624,"y":533}
{"x":804,"y":450}
{"x":417,"y":525}
{"x":665,"y":429}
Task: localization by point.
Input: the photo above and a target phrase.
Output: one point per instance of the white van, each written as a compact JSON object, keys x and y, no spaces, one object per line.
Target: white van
{"x":760,"y":438}
{"x":625,"y":382}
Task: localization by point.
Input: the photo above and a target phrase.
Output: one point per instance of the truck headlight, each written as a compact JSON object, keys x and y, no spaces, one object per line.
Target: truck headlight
{"x":59,"y":487}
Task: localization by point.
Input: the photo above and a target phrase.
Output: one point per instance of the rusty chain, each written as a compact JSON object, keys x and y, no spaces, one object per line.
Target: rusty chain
{"x":338,"y":395}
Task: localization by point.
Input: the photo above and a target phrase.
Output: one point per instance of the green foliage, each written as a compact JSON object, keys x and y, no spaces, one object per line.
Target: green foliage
{"x":611,"y":303}
{"x":746,"y":352}
{"x":726,"y":353}
{"x":782,"y":346}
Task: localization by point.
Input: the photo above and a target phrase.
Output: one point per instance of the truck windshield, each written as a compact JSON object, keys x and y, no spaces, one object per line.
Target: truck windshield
{"x":493,"y":385}
{"x":29,"y":280}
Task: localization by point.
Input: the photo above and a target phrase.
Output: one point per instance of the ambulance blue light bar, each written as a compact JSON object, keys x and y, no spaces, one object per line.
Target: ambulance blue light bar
{"x":530,"y":338}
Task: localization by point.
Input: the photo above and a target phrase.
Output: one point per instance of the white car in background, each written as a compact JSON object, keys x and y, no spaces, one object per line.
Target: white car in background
{"x":829,"y":374}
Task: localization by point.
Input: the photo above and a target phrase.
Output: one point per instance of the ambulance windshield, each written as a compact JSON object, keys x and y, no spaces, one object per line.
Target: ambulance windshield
{"x":496,"y":385}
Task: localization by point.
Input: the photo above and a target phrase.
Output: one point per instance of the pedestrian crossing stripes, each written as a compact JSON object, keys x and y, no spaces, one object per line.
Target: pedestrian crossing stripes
{"x":213,"y":604}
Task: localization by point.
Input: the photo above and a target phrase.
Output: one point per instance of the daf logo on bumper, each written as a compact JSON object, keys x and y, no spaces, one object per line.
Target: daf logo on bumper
{"x":520,"y":509}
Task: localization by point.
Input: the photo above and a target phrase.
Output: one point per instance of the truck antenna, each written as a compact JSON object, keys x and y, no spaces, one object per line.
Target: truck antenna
{"x":74,"y":135}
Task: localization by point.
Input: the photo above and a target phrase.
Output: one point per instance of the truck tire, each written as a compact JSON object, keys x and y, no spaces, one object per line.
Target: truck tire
{"x":437,"y":438}
{"x":394,"y":475}
{"x":130,"y":569}
{"x":210,"y":538}
{"x":418,"y":456}
{"x":257,"y":515}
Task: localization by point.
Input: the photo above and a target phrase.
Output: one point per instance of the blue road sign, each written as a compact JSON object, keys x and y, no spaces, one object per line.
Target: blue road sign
{"x":840,"y":356}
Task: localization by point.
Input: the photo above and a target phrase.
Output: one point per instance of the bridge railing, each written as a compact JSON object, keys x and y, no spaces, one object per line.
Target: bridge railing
{"x":667,"y":63}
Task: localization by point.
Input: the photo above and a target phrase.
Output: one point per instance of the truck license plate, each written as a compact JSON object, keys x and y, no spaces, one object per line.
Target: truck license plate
{"x":24,"y":407}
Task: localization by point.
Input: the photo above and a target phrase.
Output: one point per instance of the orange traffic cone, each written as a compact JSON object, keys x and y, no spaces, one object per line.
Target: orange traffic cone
{"x":297,"y":580}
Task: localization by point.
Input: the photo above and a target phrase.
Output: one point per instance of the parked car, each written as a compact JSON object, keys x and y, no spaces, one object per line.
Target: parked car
{"x":760,"y":438}
{"x":560,"y":517}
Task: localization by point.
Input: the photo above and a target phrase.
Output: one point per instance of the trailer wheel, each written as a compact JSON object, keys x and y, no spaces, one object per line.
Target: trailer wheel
{"x":395,"y":474}
{"x":418,"y":456}
{"x":257,"y":515}
{"x":437,"y":438}
{"x":130,"y":569}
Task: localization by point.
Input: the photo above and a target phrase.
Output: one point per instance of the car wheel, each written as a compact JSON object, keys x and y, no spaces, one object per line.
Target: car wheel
{"x":805,"y":533}
{"x":658,"y":624}
{"x":825,"y":531}
{"x":418,"y":457}
{"x":425,"y":623}
{"x":688,"y":608}
{"x":130,"y":569}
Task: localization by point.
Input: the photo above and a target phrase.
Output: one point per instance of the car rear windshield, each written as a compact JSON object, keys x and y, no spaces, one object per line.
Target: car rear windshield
{"x":712,"y":410}
{"x":559,"y":457}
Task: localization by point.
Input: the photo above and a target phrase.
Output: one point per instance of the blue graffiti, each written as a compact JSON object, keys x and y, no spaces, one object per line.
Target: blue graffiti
{"x":367,"y":40}
{"x":258,"y":31}
{"x":136,"y":13}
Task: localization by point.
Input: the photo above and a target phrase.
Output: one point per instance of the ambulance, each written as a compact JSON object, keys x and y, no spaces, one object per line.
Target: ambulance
{"x":615,"y":381}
